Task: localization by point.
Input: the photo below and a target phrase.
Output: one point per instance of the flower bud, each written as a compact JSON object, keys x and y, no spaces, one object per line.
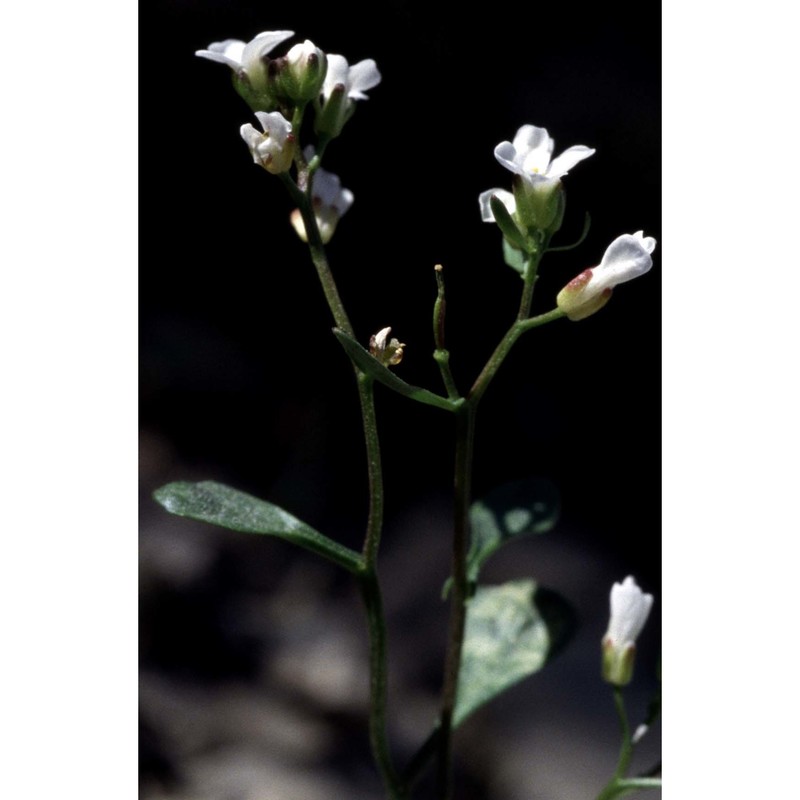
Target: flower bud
{"x":630,"y":608}
{"x":300,"y":73}
{"x":627,"y":257}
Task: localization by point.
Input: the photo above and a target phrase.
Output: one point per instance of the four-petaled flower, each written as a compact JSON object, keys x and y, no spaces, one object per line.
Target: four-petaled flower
{"x":343,"y":85}
{"x":530,"y":154}
{"x":630,"y":607}
{"x":627,"y":257}
{"x":329,"y":201}
{"x":238,"y":55}
{"x":274,"y":148}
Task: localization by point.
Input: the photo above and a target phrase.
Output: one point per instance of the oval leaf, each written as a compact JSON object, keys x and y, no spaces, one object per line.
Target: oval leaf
{"x":221,"y":505}
{"x":511,"y":632}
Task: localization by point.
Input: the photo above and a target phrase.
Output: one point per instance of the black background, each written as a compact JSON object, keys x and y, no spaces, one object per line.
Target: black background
{"x":241,"y":379}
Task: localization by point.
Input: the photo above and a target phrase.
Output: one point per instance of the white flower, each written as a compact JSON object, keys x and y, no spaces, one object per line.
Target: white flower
{"x":627,"y":257}
{"x":274,"y":148}
{"x":529,"y":155}
{"x":343,"y":85}
{"x":630,"y":607}
{"x":356,"y":79}
{"x":506,"y":198}
{"x":329,"y":201}
{"x":238,"y":55}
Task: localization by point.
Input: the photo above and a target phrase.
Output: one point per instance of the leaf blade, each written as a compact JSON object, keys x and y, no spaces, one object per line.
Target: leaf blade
{"x":217,"y":504}
{"x":511,"y":632}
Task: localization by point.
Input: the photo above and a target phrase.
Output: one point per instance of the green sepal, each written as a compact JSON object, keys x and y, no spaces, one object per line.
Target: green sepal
{"x":506,"y":223}
{"x":334,"y":112}
{"x":229,"y":508}
{"x":515,"y":259}
{"x":370,"y":365}
{"x":259,"y":98}
{"x":511,"y":632}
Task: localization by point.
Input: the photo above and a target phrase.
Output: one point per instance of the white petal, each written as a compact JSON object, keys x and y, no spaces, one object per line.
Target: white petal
{"x":630,"y":608}
{"x":326,"y":188}
{"x":227,"y":52}
{"x":275,"y":124}
{"x":534,"y":147}
{"x":253,"y":139}
{"x":568,"y":159}
{"x":484,"y":200}
{"x":336,"y":74}
{"x":363,"y":76}
{"x":507,"y":156}
{"x":344,"y":201}
{"x":648,"y":242}
{"x":262,"y":45}
{"x":529,"y":137}
{"x":300,"y":52}
{"x":625,"y":258}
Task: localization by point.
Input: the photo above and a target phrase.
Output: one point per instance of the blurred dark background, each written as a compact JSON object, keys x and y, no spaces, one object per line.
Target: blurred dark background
{"x":252,"y":653}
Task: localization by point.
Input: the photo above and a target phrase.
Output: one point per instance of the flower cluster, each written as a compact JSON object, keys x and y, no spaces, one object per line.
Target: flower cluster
{"x":279,"y":90}
{"x":530,"y":214}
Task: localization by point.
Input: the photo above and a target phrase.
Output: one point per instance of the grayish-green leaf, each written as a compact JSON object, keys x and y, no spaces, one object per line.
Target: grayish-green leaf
{"x":370,"y":365}
{"x":221,"y":505}
{"x":511,"y":632}
{"x":514,"y":509}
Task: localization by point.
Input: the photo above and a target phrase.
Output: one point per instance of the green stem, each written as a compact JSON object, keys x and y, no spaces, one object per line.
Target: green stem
{"x":615,"y":786}
{"x":318,"y":256}
{"x":366,"y":392}
{"x":465,"y":439}
{"x":530,"y":275}
{"x":368,"y":579}
{"x":441,"y":355}
{"x":626,"y":749}
{"x":371,"y":593}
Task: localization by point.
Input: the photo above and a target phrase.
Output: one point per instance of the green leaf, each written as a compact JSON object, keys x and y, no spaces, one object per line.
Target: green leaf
{"x":370,"y":365}
{"x":218,"y":504}
{"x":515,"y":509}
{"x":513,"y":257}
{"x":511,"y":632}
